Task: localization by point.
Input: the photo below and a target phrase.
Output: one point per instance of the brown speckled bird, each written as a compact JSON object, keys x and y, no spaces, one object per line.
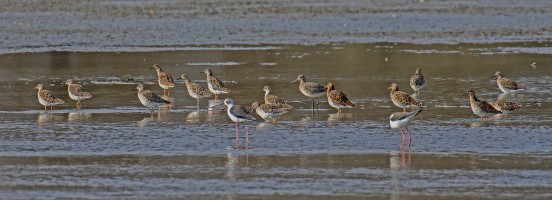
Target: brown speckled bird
{"x":150,"y":99}
{"x":507,"y":85}
{"x":195,"y":90}
{"x":481,"y":108}
{"x":77,"y":92}
{"x":47,"y":98}
{"x":337,"y":99}
{"x":214,"y":84}
{"x":505,"y":106}
{"x":268,"y":111}
{"x":275,"y":100}
{"x":402,"y":99}
{"x":417,"y":81}
{"x":164,"y":79}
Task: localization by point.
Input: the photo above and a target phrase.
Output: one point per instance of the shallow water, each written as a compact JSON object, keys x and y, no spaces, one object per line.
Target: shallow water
{"x":113,"y":147}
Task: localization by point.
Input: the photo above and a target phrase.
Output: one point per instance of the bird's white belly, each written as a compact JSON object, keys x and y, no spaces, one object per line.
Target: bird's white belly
{"x":213,"y":90}
{"x":264,"y":114}
{"x":335,"y":105}
{"x":44,"y":102}
{"x":77,"y":98}
{"x":144,"y":100}
{"x":166,"y":87}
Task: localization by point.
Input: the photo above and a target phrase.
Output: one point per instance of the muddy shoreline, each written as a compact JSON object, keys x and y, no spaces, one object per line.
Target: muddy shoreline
{"x":100,"y":25}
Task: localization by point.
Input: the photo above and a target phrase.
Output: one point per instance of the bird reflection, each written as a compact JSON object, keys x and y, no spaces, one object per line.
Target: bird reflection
{"x":142,"y":123}
{"x":78,"y":116}
{"x":336,"y":117}
{"x":161,"y":117}
{"x":417,"y":96}
{"x":193,"y":118}
{"x":233,"y":162}
{"x":212,"y":116}
{"x":264,"y":126}
{"x":398,"y":160}
{"x":45,"y":118}
{"x":476,"y":124}
{"x":216,"y":105}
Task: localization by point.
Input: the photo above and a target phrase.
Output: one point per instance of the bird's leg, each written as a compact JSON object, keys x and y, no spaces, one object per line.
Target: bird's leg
{"x":317,"y":104}
{"x":404,"y":109}
{"x":152,"y":111}
{"x":402,"y":143}
{"x":409,"y":137}
{"x":198,"y":103}
{"x":216,"y":96}
{"x":45,"y":108}
{"x":237,"y":134}
{"x":78,"y":105}
{"x":168,"y":93}
{"x":164,"y":91}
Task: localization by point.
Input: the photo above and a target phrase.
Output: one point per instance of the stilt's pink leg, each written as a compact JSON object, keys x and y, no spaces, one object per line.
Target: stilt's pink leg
{"x":409,"y":137}
{"x":237,"y":134}
{"x":402,"y":143}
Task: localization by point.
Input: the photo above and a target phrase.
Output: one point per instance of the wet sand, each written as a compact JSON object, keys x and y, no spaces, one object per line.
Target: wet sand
{"x":98,"y":25}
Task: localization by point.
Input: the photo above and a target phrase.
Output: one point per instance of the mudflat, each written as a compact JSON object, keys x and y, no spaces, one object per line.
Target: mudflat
{"x":102,"y":25}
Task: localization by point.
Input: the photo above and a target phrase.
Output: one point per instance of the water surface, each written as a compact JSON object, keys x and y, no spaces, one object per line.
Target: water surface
{"x":113,"y":147}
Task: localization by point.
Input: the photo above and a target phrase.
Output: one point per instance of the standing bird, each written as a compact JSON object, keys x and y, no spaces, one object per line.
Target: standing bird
{"x":507,"y":85}
{"x":275,"y":100}
{"x":238,"y":113}
{"x":310,"y":89}
{"x":481,"y":108}
{"x":269,"y":111}
{"x":505,"y":106}
{"x":402,"y":99}
{"x":214,"y":84}
{"x":195,"y":90}
{"x":337,"y":99}
{"x":417,"y":81}
{"x":47,"y":98}
{"x":401,"y":120}
{"x":77,"y":92}
{"x":164,"y":79}
{"x":150,"y":99}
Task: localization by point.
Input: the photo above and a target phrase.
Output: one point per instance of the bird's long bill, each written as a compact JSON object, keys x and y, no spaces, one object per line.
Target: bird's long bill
{"x":202,"y":72}
{"x":179,"y":78}
{"x":466,"y":94}
{"x":493,"y":76}
{"x":292,"y":82}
